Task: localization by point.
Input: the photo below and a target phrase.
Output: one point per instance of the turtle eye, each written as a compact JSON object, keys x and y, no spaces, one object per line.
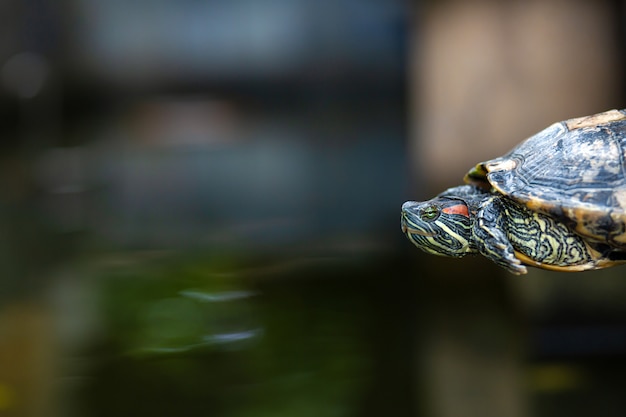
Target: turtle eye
{"x":429,"y":213}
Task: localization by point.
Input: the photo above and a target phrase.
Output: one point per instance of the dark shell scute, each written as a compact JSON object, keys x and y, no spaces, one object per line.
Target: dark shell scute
{"x":584,"y":165}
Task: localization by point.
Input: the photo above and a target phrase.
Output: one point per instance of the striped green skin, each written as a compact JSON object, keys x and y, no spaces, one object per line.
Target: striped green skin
{"x":444,"y":234}
{"x":542,"y":238}
{"x":493,"y":225}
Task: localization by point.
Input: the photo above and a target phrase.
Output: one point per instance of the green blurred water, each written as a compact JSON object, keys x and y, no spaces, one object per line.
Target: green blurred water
{"x":217,"y":335}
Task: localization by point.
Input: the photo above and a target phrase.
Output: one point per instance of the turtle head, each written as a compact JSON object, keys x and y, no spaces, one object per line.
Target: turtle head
{"x":441,"y":226}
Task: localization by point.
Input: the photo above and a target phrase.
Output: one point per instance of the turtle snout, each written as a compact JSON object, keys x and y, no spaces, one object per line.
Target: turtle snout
{"x":408,"y":209}
{"x":410,"y":206}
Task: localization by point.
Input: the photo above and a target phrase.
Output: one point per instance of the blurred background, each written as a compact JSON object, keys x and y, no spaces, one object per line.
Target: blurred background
{"x":199,"y":208}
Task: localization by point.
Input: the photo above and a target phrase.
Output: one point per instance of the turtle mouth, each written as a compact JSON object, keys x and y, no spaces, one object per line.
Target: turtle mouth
{"x":406,"y":230}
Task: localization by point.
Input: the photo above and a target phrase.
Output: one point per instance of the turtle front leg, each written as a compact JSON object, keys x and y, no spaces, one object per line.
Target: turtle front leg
{"x":490,"y":237}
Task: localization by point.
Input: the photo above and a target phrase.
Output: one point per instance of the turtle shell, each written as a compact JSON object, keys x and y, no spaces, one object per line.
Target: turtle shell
{"x":574,"y":170}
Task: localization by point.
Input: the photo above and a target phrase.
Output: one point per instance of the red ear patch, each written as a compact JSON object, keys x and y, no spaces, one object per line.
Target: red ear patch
{"x":457,"y":209}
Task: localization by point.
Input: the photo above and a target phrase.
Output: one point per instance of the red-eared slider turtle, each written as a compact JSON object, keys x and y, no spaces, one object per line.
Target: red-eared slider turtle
{"x":557,"y":201}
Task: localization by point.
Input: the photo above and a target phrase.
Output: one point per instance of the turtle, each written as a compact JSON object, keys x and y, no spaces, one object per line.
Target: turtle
{"x":556,"y":201}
